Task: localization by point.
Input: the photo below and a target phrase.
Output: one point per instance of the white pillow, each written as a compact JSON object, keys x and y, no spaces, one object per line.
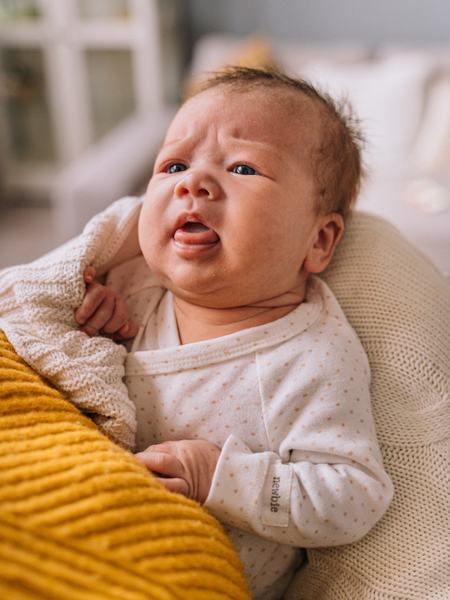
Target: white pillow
{"x":387,"y":95}
{"x":431,"y":152}
{"x":214,"y":50}
{"x":292,"y":56}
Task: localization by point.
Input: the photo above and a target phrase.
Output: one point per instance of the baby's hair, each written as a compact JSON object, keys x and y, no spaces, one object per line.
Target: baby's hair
{"x":336,"y":160}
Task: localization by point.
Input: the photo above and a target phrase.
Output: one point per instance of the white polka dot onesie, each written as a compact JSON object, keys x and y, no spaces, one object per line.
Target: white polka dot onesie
{"x":287,"y":402}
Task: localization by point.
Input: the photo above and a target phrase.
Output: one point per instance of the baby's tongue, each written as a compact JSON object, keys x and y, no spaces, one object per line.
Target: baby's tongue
{"x":195,"y":233}
{"x":194,"y":227}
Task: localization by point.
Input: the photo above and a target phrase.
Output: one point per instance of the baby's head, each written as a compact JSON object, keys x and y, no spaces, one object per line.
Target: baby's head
{"x":335,"y":138}
{"x":250,"y":189}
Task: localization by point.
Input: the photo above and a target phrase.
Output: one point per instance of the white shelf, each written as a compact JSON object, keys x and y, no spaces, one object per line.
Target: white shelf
{"x":65,"y":43}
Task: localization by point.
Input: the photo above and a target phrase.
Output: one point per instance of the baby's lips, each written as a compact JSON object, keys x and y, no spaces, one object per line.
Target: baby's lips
{"x":208,"y":236}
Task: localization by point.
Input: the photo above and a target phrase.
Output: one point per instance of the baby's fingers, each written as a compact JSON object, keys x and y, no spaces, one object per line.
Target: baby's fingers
{"x":175,"y":484}
{"x":119,"y":318}
{"x":161,"y":463}
{"x":94,"y":297}
{"x":89,"y":274}
{"x":101,"y":316}
{"x":128,"y":331}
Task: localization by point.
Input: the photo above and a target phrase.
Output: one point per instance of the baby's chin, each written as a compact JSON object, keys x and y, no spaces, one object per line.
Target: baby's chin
{"x":195,"y":288}
{"x":230,"y":298}
{"x":213,"y":287}
{"x":206,"y":296}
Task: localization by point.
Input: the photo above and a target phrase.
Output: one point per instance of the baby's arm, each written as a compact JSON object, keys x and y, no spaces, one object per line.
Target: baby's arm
{"x":104,"y":310}
{"x":322,"y":482}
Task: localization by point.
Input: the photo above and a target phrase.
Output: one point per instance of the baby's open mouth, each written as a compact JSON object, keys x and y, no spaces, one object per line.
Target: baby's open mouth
{"x":194,"y":227}
{"x":195,"y":233}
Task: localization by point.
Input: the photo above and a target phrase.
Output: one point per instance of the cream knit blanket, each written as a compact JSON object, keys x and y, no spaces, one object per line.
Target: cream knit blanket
{"x":37,"y":303}
{"x":399,"y":305}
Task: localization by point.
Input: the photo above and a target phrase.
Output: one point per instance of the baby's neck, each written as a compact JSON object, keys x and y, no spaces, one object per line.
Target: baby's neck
{"x":197,"y":323}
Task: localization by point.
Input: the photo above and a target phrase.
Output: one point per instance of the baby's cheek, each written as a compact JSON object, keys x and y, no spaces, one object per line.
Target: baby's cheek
{"x":149,"y":228}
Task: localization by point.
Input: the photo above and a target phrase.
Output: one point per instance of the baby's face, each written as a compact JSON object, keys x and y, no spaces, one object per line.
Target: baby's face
{"x":228,"y":216}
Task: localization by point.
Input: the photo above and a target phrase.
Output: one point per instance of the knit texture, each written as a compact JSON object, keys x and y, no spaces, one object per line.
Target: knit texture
{"x":37,"y":303}
{"x":80,"y":518}
{"x":399,"y":305}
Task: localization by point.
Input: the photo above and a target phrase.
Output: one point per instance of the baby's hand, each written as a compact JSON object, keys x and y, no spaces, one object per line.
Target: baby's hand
{"x":185,"y":466}
{"x":104,"y":310}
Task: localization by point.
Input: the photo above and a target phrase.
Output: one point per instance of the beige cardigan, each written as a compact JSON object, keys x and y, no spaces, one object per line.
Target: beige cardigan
{"x":37,"y":303}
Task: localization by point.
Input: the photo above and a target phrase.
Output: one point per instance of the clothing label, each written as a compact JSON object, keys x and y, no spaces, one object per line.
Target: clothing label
{"x":277,"y":495}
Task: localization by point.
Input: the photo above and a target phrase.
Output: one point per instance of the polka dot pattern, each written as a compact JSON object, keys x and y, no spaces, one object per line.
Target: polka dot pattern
{"x":288,"y":403}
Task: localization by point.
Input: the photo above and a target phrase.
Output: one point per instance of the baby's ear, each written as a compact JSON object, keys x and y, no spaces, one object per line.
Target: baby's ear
{"x":329,"y":230}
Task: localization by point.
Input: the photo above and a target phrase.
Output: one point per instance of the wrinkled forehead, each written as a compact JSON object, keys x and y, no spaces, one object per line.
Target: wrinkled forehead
{"x":285,"y":119}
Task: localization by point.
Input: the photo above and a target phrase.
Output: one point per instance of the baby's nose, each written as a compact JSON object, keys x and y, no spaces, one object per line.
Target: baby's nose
{"x":197,"y":185}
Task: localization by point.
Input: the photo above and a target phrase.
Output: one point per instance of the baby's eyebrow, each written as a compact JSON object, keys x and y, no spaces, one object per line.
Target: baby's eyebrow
{"x":169,"y":143}
{"x":253,"y":143}
{"x":266,"y":151}
{"x":234,"y":138}
{"x":262,"y":151}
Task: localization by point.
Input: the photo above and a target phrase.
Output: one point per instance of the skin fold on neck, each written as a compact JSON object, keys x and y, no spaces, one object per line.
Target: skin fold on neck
{"x":197,"y":323}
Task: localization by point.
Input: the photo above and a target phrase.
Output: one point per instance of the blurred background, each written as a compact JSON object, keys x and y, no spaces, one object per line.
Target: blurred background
{"x":87,"y":88}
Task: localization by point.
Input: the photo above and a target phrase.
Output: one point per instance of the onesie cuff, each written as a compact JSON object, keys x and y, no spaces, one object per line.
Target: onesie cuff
{"x":249,"y":489}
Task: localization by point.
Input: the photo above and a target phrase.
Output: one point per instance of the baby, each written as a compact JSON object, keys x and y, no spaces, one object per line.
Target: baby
{"x":251,"y":388}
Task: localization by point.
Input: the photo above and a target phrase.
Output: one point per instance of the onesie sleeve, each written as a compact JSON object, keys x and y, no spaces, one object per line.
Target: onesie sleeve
{"x":322,"y":481}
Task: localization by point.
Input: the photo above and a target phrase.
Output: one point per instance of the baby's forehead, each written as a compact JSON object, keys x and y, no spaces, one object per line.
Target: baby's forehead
{"x":275,"y":99}
{"x":284,"y":115}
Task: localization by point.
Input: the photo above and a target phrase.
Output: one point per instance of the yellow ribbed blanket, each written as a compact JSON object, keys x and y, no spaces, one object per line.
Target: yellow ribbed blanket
{"x":81,"y":519}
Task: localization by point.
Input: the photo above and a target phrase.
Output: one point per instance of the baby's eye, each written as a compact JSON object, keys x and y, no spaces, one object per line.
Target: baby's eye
{"x":244,"y":170}
{"x":176,"y":168}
